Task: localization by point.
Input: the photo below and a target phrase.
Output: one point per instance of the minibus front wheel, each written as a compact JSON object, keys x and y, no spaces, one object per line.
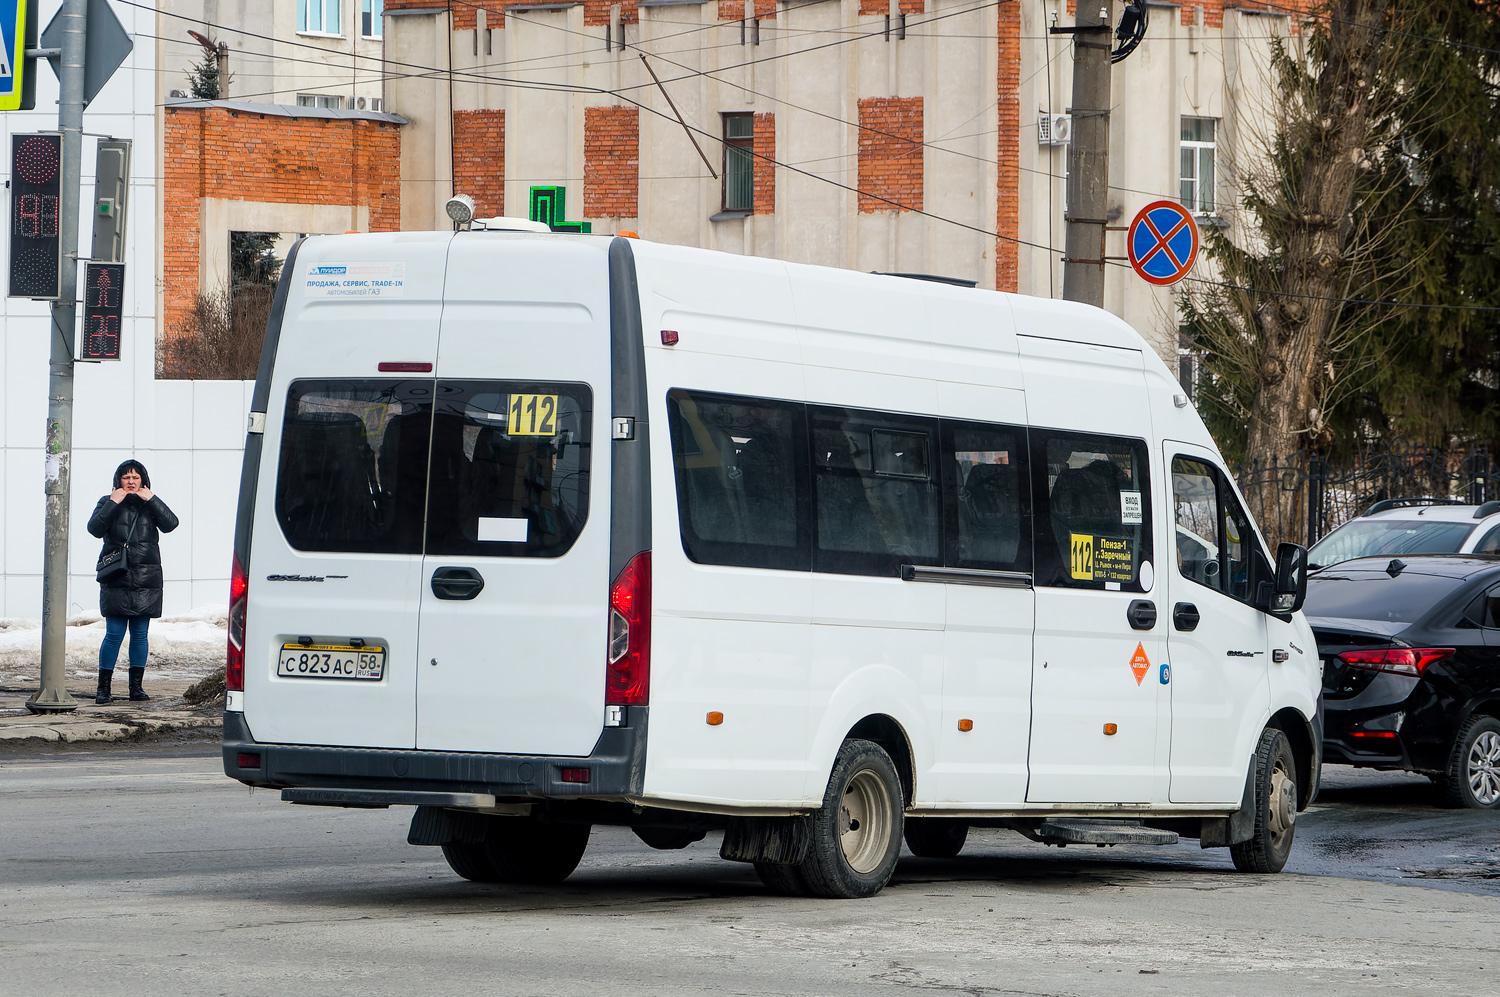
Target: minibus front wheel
{"x":855,"y":837}
{"x":1275,"y":804}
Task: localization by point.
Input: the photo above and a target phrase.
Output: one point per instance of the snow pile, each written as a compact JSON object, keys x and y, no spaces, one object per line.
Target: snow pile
{"x":187,"y":646}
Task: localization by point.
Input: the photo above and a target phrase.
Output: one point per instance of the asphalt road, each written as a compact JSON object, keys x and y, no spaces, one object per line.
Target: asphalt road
{"x":135,"y":872}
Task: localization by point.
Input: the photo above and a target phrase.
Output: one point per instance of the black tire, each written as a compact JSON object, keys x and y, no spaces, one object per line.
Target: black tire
{"x":783,"y":879}
{"x":525,"y":850}
{"x":936,"y":837}
{"x":1275,"y":807}
{"x":469,"y":861}
{"x":1472,"y":779}
{"x":856,"y":834}
{"x":668,"y":838}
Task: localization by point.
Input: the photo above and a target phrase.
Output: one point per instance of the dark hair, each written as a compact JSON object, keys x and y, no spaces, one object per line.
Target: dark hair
{"x":137,"y":467}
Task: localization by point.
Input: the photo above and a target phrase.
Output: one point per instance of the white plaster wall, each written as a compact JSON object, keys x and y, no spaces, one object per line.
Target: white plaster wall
{"x":189,"y":435}
{"x":269,"y":60}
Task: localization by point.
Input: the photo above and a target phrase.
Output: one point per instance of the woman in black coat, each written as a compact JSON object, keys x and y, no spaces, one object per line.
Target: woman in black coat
{"x":130,"y":518}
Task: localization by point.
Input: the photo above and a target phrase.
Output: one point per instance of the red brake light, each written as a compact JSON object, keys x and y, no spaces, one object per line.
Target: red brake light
{"x":1399,"y":660}
{"x":575,"y":775}
{"x":404,"y":367}
{"x":234,"y":664}
{"x":627,"y":680}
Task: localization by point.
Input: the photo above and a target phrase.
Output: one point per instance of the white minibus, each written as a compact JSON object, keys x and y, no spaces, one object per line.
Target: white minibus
{"x":543,"y":531}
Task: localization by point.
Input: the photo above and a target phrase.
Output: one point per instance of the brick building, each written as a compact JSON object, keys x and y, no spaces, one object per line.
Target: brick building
{"x":892,"y":135}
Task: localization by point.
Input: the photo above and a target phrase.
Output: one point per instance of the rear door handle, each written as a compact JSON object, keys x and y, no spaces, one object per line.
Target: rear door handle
{"x":456,"y":583}
{"x":1185,"y":616}
{"x":1141,"y":614}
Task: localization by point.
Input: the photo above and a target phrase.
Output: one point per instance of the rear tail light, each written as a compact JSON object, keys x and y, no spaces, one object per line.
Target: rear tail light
{"x":627,"y":680}
{"x":1374,"y":735}
{"x":1398,"y":660}
{"x":234,"y":664}
{"x":575,"y":775}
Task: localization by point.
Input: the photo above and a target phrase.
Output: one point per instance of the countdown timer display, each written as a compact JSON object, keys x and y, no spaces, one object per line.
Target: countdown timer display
{"x":35,"y":202}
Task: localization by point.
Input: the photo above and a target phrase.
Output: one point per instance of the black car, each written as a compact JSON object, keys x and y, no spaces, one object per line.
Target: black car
{"x":1411,"y":668}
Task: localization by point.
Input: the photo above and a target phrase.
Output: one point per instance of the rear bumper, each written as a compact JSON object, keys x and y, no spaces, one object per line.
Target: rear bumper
{"x":617,"y":767}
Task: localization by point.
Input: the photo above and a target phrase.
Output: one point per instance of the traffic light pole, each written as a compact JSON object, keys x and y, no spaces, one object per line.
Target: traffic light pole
{"x":53,"y":695}
{"x":1088,"y":154}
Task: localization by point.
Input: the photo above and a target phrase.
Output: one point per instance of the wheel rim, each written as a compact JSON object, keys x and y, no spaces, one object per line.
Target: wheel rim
{"x":1484,"y":768}
{"x":1282,"y":805}
{"x":865,"y":821}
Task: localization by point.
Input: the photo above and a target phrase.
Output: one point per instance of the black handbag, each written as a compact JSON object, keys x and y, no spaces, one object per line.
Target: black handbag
{"x":113,"y":563}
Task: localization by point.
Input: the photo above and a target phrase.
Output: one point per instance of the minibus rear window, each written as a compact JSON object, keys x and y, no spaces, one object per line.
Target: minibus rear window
{"x":1093,"y":510}
{"x":353,"y":465}
{"x":497,"y":468}
{"x":510,"y":468}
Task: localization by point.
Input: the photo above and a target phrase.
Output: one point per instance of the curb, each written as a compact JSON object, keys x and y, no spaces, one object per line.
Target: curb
{"x":100,"y":727}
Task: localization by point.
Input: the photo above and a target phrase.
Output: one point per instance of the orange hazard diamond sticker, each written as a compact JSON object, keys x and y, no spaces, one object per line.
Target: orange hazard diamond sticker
{"x":1139,"y":663}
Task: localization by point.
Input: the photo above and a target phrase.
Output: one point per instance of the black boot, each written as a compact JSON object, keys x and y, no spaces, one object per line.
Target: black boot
{"x":102,"y":696}
{"x":137,"y":694}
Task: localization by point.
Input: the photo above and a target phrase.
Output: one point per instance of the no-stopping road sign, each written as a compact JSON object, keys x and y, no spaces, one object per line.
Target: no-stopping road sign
{"x":1163,"y":242}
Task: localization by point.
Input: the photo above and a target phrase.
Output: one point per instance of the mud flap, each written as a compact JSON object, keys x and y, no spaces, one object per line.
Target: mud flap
{"x":1221,"y":832}
{"x":778,"y":840}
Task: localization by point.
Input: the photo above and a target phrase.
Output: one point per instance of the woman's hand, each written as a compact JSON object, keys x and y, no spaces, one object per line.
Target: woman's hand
{"x":117,"y":496}
{"x":145,"y":493}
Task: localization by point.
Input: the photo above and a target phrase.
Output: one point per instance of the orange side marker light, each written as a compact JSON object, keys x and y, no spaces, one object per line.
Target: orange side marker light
{"x":715,"y":718}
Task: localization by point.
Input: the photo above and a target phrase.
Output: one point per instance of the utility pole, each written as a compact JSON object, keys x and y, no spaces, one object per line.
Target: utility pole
{"x":53,"y":696}
{"x":1088,"y":154}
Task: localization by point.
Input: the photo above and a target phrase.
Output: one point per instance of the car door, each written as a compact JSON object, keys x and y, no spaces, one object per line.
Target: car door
{"x":515,"y":579}
{"x":1220,"y":687}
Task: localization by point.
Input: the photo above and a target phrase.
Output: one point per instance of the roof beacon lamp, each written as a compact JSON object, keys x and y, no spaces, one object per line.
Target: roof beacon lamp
{"x":460,"y":208}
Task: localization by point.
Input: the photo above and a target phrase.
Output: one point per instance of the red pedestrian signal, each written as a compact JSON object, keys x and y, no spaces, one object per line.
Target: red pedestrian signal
{"x":103,"y":304}
{"x":35,"y":203}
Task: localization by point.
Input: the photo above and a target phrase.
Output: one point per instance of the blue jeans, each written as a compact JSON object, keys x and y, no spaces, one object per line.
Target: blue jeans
{"x":114,"y":634}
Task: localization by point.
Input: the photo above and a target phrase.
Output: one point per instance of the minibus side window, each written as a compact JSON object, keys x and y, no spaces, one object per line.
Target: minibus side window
{"x":353,"y":465}
{"x":1093,"y":510}
{"x":1215,"y":543}
{"x":876,"y":490}
{"x":988,"y":508}
{"x":510,"y":468}
{"x":742,"y":480}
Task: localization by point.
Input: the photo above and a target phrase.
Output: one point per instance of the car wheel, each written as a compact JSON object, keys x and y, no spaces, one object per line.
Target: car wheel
{"x":1275,"y":807}
{"x":524,"y":850}
{"x":470,"y":861}
{"x":856,"y":834}
{"x":936,"y":837}
{"x":1472,"y":780}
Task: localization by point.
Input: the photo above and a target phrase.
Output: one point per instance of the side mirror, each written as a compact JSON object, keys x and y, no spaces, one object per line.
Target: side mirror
{"x":1291,"y":579}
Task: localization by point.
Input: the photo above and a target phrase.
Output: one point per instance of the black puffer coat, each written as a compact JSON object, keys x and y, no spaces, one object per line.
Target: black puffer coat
{"x":137,"y":590}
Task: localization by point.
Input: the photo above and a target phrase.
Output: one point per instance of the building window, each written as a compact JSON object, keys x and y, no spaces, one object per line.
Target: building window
{"x":1196,"y":189}
{"x":371,"y":17}
{"x":319,"y":100}
{"x":319,"y":17}
{"x":739,"y":162}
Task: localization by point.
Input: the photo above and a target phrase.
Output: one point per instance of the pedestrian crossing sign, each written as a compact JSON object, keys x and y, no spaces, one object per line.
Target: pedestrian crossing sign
{"x":13,"y":65}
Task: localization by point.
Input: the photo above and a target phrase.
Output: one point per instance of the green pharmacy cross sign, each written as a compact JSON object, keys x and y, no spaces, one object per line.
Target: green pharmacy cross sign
{"x":549,"y":206}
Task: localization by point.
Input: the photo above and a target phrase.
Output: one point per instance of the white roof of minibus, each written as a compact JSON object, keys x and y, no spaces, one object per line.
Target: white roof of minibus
{"x":1042,"y":318}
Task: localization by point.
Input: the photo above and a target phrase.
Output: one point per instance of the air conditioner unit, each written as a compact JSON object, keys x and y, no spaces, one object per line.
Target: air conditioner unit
{"x":1059,"y":129}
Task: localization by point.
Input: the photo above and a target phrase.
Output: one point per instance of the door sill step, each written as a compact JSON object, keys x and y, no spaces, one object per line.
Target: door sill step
{"x":1082,"y":831}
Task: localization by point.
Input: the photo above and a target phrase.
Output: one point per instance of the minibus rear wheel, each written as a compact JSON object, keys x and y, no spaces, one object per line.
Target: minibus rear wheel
{"x":1275,"y":807}
{"x":856,"y":834}
{"x":936,"y":837}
